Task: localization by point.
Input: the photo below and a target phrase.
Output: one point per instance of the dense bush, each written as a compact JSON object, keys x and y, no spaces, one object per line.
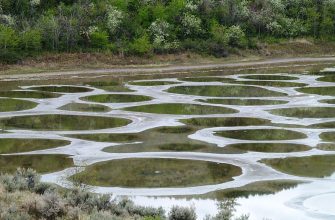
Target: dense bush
{"x":161,"y":26}
{"x":182,"y":213}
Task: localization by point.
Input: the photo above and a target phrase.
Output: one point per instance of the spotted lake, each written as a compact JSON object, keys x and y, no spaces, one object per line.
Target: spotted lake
{"x":264,"y":138}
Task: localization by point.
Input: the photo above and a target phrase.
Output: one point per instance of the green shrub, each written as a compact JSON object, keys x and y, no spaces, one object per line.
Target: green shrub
{"x":141,"y":46}
{"x":99,"y":40}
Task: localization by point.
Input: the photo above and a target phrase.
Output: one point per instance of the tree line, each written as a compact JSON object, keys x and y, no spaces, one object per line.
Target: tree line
{"x":140,"y":27}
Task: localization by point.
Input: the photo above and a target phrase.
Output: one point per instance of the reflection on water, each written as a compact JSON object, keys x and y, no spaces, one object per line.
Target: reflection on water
{"x":61,"y":89}
{"x":81,"y":107}
{"x":157,"y":173}
{"x":28,"y":94}
{"x":329,"y":101}
{"x":328,"y":136}
{"x":11,"y":145}
{"x":262,"y":134}
{"x":225,"y":122}
{"x":152,"y":83}
{"x":329,"y":78}
{"x":326,"y":90}
{"x":111,"y":86}
{"x":181,"y":109}
{"x":207,"y":79}
{"x":62,"y":122}
{"x":165,"y":139}
{"x":7,"y":105}
{"x":40,"y":163}
{"x":312,"y":166}
{"x":272,"y":83}
{"x":269,"y":147}
{"x":244,"y":101}
{"x":114,"y":98}
{"x":330,"y":124}
{"x":225,"y":91}
{"x":269,"y":77}
{"x":306,"y":112}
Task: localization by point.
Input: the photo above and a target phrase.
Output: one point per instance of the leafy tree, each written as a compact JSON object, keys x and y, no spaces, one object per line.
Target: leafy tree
{"x":8,"y":44}
{"x":30,"y":40}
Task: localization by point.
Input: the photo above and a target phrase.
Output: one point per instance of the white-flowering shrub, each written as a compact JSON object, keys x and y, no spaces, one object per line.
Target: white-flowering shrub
{"x":191,"y":24}
{"x":160,"y":34}
{"x":191,"y":5}
{"x":114,"y":19}
{"x":7,"y":20}
{"x":35,"y":3}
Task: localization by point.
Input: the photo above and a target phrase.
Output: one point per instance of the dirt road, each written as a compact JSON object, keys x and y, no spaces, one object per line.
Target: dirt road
{"x":177,"y":68}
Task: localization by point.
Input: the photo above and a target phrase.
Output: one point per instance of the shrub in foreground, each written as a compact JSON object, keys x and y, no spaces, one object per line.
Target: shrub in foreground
{"x":24,"y":197}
